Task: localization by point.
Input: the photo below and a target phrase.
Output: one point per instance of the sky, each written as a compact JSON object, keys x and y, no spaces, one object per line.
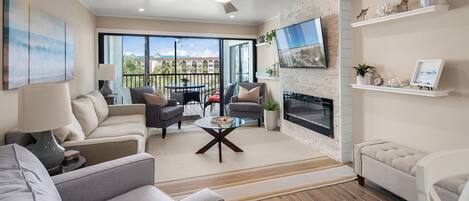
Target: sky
{"x":188,"y":47}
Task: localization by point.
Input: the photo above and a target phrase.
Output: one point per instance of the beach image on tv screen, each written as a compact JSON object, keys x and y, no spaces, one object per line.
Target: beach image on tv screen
{"x":301,"y":45}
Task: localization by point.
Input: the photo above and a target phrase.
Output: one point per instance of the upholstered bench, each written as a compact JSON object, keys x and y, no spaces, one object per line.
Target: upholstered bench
{"x":393,"y":167}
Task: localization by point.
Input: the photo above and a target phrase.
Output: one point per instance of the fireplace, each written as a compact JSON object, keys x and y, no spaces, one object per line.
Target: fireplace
{"x":314,"y":113}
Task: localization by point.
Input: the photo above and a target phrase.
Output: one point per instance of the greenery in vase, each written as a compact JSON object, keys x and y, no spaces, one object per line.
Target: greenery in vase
{"x":269,"y":71}
{"x":363,"y":69}
{"x":271,"y":105}
{"x":270,"y":37}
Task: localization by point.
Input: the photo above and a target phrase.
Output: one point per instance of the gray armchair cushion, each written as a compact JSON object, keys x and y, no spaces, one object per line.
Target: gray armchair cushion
{"x":252,"y":85}
{"x":245,"y":107}
{"x":107,"y":180}
{"x":137,"y":94}
{"x":23,"y":177}
{"x":144,"y":193}
{"x":170,"y":112}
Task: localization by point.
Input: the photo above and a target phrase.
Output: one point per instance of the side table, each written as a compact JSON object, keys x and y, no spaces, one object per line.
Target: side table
{"x":77,"y":164}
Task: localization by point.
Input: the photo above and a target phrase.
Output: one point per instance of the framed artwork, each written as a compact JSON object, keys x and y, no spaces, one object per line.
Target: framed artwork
{"x":427,"y":73}
{"x":38,"y":47}
{"x":15,"y":43}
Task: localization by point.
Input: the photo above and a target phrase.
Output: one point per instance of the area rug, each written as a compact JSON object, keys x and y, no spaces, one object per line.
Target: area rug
{"x":176,"y":158}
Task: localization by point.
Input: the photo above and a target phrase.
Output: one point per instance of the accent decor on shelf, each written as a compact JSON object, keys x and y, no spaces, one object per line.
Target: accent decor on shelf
{"x":427,"y":73}
{"x":362,"y":14}
{"x":362,"y":70}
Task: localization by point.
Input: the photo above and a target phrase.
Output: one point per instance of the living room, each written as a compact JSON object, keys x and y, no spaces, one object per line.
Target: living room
{"x":234,"y":100}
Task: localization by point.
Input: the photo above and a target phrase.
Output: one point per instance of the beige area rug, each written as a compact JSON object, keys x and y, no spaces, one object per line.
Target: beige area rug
{"x":176,"y":158}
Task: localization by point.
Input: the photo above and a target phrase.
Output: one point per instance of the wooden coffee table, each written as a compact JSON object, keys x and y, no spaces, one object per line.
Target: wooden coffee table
{"x":219,"y":132}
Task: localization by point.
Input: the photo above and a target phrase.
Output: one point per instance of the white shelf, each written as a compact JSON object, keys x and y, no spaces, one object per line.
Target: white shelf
{"x":262,"y":44}
{"x":406,"y":90}
{"x":268,"y":78}
{"x":392,"y":17}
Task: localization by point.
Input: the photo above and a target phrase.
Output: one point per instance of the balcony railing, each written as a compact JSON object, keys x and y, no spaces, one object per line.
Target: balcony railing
{"x":159,"y":81}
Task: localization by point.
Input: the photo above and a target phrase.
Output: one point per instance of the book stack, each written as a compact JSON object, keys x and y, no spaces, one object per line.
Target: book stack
{"x":70,"y":157}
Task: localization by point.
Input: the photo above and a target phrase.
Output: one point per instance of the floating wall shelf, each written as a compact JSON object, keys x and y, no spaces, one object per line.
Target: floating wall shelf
{"x":262,"y":44}
{"x":393,"y":17}
{"x":408,"y":91}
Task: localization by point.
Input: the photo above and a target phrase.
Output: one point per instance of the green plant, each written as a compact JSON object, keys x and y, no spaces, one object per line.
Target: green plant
{"x":269,"y":36}
{"x":271,"y":105}
{"x":185,"y":80}
{"x":363,"y":69}
{"x":269,"y":70}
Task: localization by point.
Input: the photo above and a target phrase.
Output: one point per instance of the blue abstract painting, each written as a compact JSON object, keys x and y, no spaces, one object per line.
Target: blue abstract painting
{"x":15,"y":43}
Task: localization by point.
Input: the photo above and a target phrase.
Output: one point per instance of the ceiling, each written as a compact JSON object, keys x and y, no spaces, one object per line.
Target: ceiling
{"x":250,"y":11}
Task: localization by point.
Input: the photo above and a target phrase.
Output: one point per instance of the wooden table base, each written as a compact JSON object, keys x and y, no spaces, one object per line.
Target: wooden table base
{"x":219,"y":138}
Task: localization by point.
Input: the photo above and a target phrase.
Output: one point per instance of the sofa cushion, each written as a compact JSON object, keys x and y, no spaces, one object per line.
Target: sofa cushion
{"x":144,"y":193}
{"x":245,"y":107}
{"x":122,"y":119}
{"x":119,"y":130}
{"x":84,"y":112}
{"x":100,"y":105}
{"x":170,"y":112}
{"x":23,"y":177}
{"x":248,"y":95}
{"x":71,"y":132}
{"x":454,"y":184}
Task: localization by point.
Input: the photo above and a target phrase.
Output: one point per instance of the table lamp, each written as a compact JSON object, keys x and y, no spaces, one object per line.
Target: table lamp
{"x":41,"y":109}
{"x":106,"y":73}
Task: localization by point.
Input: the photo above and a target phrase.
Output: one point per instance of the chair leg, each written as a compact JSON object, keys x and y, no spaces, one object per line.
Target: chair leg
{"x":164,"y":133}
{"x":259,"y":122}
{"x":179,"y":125}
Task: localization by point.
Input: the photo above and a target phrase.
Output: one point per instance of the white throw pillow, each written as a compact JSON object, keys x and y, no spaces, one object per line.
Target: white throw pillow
{"x":100,"y":105}
{"x":71,"y":132}
{"x":83,"y":110}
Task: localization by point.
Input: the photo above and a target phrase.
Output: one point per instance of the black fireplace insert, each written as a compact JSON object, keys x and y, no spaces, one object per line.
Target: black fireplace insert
{"x":314,"y":113}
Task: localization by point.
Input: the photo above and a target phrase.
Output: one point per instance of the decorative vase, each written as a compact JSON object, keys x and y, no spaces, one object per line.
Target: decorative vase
{"x":361,"y":80}
{"x":270,"y":119}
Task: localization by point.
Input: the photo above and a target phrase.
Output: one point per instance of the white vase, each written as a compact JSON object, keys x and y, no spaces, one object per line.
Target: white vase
{"x":270,"y":119}
{"x":426,"y":3}
{"x":361,"y":80}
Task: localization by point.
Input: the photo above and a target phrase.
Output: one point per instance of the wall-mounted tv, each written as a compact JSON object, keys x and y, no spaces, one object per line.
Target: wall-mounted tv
{"x":302,"y":45}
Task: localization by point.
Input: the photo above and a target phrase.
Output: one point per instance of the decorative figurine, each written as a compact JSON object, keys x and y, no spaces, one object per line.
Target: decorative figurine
{"x":385,"y":9}
{"x":362,"y":14}
{"x":403,"y":4}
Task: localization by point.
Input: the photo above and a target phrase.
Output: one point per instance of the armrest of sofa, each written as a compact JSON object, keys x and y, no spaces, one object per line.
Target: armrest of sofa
{"x":126,"y":109}
{"x":357,"y":154}
{"x":260,"y":100}
{"x":105,"y":149}
{"x":204,"y":195}
{"x":234,"y":99}
{"x":106,"y":180}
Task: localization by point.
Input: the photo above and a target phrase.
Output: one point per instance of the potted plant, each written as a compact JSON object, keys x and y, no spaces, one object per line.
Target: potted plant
{"x":269,"y":71}
{"x":269,"y":37}
{"x":362,"y":70}
{"x":184,"y":81}
{"x":270,"y":115}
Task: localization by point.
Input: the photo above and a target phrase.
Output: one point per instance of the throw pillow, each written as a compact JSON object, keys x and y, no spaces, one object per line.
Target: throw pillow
{"x":71,"y":132}
{"x":100,"y":105}
{"x":83,"y":110}
{"x":245,"y":95}
{"x":158,"y":98}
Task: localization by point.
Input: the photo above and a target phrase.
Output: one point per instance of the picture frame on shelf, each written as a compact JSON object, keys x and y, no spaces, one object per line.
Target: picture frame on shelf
{"x":427,"y":73}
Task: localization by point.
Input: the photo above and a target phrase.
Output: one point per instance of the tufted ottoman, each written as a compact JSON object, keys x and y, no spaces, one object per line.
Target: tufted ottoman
{"x":393,"y":167}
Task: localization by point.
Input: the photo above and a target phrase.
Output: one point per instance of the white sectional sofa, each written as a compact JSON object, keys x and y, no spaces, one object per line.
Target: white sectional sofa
{"x":101,"y":132}
{"x":393,"y":167}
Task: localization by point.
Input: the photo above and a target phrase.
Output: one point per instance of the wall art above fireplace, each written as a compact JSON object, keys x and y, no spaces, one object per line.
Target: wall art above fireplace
{"x":314,"y":113}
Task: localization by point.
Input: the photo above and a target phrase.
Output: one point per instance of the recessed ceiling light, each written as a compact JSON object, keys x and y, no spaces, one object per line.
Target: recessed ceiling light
{"x":232,"y":16}
{"x":141,"y":9}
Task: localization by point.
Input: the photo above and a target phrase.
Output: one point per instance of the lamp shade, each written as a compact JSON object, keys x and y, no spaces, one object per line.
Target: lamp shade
{"x":44,"y":107}
{"x":107,"y":72}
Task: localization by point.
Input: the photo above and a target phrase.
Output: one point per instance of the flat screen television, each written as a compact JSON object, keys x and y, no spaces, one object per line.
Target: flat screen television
{"x":302,"y":45}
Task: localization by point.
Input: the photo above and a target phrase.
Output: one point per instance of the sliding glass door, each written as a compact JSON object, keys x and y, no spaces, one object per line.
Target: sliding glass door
{"x":159,"y":61}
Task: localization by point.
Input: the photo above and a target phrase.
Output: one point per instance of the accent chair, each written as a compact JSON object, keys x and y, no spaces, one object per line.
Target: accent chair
{"x":252,"y":110}
{"x":156,"y":115}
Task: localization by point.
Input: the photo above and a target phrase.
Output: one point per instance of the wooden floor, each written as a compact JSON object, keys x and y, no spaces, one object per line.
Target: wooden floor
{"x":186,"y":186}
{"x":348,"y":191}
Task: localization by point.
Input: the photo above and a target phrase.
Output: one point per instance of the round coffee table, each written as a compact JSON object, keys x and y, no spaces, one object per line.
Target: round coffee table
{"x":219,"y":132}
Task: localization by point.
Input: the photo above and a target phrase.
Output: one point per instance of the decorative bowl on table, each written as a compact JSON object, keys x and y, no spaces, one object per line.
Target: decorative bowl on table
{"x":222,"y":121}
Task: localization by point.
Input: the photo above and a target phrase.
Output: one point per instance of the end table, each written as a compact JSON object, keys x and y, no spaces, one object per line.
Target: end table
{"x":75,"y":165}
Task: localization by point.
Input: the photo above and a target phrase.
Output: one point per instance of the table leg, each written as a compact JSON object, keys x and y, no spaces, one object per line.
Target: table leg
{"x":219,"y":138}
{"x":219,"y":147}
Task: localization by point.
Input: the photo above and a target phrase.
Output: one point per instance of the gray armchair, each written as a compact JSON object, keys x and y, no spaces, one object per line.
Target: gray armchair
{"x":252,"y":110}
{"x":124,"y":179}
{"x":157,"y":116}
